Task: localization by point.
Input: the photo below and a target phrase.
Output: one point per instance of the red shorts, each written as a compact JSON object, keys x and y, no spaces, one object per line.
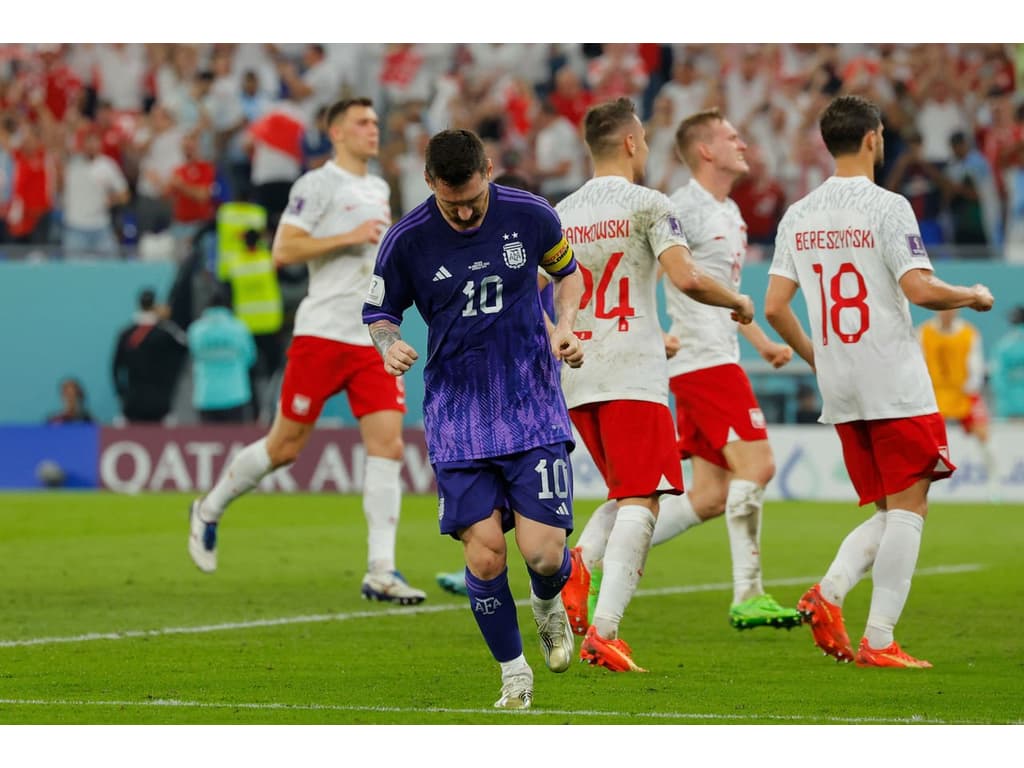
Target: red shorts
{"x":977,"y":416}
{"x":715,"y":406}
{"x":886,"y":456}
{"x":633,"y":444}
{"x":318,"y":369}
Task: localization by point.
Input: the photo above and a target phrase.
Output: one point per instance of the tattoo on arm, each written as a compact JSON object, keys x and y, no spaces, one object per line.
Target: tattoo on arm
{"x":384,"y":333}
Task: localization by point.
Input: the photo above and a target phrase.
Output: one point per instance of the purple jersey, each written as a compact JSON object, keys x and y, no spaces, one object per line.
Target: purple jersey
{"x":491,"y":383}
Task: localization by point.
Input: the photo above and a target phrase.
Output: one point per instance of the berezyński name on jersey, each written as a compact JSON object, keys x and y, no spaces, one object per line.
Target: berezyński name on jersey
{"x":847,"y":244}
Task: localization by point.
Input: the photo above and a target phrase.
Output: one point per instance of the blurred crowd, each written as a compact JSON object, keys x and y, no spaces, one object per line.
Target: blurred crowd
{"x":127,"y":149}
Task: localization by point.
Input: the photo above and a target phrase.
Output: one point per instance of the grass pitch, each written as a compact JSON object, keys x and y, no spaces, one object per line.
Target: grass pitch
{"x":104,"y":620}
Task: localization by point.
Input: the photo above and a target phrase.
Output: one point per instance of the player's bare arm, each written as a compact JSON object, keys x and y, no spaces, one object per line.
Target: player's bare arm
{"x":398,"y":356}
{"x":770,"y":351}
{"x":778,"y":310}
{"x":699,"y":286}
{"x":672,"y":345}
{"x":924,"y":289}
{"x":294,"y":245}
{"x":565,"y":345}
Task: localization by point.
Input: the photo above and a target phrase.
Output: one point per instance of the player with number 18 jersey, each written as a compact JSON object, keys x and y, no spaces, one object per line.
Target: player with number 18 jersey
{"x":847,"y":244}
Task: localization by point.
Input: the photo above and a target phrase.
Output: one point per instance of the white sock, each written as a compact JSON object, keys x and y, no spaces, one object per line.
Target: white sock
{"x":624,"y":560}
{"x":542,"y":608}
{"x":594,"y":538}
{"x":247,"y":468}
{"x":743,"y":521}
{"x":382,"y":502}
{"x":675,"y":516}
{"x":516,"y":666}
{"x":893,"y":571}
{"x":855,"y":556}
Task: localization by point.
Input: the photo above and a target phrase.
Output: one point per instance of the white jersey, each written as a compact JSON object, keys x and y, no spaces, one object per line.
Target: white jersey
{"x":718,"y":239}
{"x":847,"y":244}
{"x":618,"y":230}
{"x":325,"y":202}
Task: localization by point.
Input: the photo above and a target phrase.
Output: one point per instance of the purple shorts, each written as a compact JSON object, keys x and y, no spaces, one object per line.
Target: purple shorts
{"x":536,"y":483}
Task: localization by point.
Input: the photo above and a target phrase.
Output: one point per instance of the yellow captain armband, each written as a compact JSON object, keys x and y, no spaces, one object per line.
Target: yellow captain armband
{"x":558,"y":258}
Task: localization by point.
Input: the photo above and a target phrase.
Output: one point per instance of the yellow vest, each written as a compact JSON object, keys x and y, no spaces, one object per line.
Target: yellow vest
{"x":946,"y":355}
{"x":255,"y":292}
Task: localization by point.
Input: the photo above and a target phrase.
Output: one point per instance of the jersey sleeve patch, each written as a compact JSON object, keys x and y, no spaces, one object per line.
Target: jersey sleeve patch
{"x":916,"y":246}
{"x":556,"y":260}
{"x":375,"y":294}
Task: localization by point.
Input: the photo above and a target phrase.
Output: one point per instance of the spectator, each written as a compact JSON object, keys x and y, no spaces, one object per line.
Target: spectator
{"x":316,"y":144}
{"x":617,"y":71}
{"x":275,"y":140}
{"x":147,"y":361}
{"x":316,"y":87}
{"x":222,"y":352}
{"x":192,"y":189}
{"x":1007,"y":369}
{"x":32,"y":184}
{"x":158,"y":143}
{"x":973,"y":200}
{"x":920,"y":181}
{"x":93,"y":185}
{"x":560,"y":155}
{"x":570,"y":97}
{"x":761,"y":198}
{"x":72,"y":395}
{"x":119,"y":74}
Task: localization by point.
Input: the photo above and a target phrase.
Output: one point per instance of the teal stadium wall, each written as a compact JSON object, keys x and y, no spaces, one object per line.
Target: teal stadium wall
{"x":62,"y":318}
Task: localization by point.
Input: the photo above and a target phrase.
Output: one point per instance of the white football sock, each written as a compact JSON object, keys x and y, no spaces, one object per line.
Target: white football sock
{"x":247,"y":468}
{"x":516,"y":666}
{"x":743,"y":521}
{"x":675,"y":516}
{"x":624,"y":560}
{"x":855,"y":557}
{"x":893,"y":571}
{"x":594,"y":538}
{"x":382,"y":503}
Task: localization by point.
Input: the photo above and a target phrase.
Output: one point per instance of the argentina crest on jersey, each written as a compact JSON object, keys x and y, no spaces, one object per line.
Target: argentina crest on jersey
{"x":514,"y":252}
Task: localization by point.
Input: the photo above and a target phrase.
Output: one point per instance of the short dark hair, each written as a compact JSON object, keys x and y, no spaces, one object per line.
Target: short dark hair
{"x":339,"y":108}
{"x":691,"y":130}
{"x":846,"y":121}
{"x":147,"y":299}
{"x":604,"y":121}
{"x":454,"y":156}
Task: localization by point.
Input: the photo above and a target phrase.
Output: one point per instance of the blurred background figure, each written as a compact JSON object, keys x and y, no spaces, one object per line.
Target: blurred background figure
{"x":955,"y":357}
{"x":147,"y":361}
{"x":93,"y":186}
{"x":222,"y":351}
{"x":1007,"y":370}
{"x":73,"y":410}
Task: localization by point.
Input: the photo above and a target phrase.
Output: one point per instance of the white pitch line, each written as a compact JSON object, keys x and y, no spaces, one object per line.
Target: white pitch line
{"x":318,"y":618}
{"x":538,"y":712}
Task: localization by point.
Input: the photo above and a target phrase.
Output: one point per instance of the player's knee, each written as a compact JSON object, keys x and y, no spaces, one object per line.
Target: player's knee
{"x":284,"y":450}
{"x":706,"y":505}
{"x":486,"y":564}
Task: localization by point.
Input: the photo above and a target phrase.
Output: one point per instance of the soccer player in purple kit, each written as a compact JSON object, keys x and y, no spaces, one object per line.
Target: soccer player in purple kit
{"x":497,"y":428}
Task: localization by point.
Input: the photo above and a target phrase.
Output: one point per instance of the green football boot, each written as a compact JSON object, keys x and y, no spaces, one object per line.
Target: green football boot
{"x":763,"y":611}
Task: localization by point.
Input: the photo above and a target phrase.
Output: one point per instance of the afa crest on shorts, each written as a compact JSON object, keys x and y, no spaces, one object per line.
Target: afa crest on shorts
{"x":514,"y":253}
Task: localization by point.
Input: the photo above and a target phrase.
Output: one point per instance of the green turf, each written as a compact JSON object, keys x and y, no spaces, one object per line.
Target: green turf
{"x":74,"y":564}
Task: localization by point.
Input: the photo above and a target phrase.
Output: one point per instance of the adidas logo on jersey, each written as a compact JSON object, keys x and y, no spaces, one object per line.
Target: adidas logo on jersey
{"x":442,"y":274}
{"x":562,"y":511}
